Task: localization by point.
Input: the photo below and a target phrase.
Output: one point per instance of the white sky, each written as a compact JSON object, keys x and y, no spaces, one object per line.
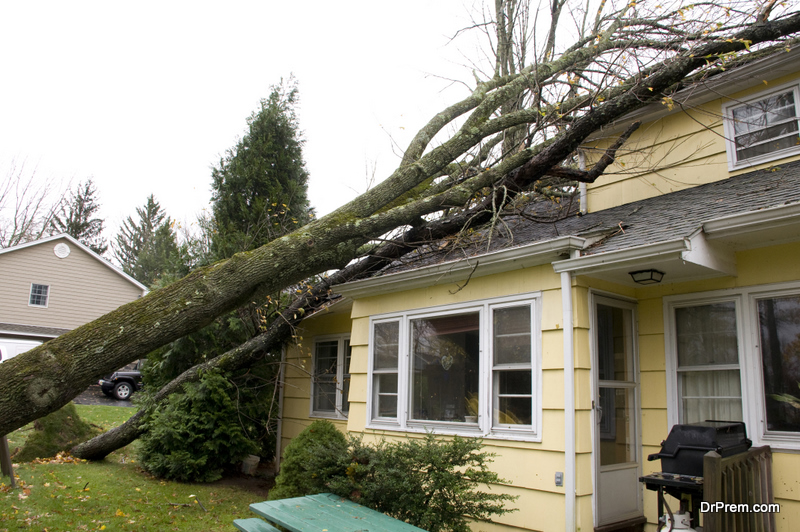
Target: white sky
{"x":145,"y":96}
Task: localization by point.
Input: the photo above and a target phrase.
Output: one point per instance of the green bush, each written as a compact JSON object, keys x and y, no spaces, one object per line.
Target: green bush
{"x":56,"y":432}
{"x":317,"y":455}
{"x":435,"y":485}
{"x":196,"y":434}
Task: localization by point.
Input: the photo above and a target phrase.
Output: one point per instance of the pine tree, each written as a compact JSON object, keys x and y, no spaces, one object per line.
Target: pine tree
{"x":76,"y":218}
{"x":259,"y":187}
{"x":147,"y":249}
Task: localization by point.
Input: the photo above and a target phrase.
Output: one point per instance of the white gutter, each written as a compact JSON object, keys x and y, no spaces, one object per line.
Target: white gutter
{"x":737,"y":224}
{"x":505,"y":260}
{"x":569,"y":403}
{"x":612,"y":260}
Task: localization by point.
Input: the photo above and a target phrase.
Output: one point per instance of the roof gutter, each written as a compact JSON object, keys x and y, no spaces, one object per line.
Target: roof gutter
{"x":613,"y":260}
{"x":526,"y":256}
{"x":749,"y":222}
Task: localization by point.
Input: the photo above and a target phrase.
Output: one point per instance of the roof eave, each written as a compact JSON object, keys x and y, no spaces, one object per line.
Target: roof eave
{"x":525,"y":256}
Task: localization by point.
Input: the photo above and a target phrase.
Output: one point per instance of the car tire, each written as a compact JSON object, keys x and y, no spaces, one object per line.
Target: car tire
{"x":123,"y":391}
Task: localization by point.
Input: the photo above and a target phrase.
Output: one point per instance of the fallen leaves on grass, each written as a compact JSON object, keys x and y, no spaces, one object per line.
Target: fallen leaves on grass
{"x":60,"y":458}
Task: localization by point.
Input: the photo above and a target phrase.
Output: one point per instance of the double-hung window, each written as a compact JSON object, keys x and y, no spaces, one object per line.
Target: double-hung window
{"x":331,"y":377}
{"x":736,"y":357}
{"x":468,"y":368}
{"x":39,"y":295}
{"x":763,"y":128}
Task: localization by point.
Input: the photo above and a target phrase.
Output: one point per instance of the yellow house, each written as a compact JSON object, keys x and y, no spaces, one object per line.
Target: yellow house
{"x":572,"y":347}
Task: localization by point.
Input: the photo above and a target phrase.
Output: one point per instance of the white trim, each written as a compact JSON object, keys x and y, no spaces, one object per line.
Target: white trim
{"x":525,"y":256}
{"x":484,"y":426}
{"x":750,"y":368}
{"x":727,"y":121}
{"x":752,"y":221}
{"x":341,"y":357}
{"x":84,"y":248}
{"x":570,"y":456}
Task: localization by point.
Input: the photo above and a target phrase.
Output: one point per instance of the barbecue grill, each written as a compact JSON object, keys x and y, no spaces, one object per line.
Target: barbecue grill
{"x":682,"y":462}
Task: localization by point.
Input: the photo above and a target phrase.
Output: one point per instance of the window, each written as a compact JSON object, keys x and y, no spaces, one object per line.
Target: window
{"x":39,"y":293}
{"x":764,"y":128}
{"x":779,"y":345}
{"x":470,"y":368}
{"x":737,"y":358}
{"x":331,"y":378}
{"x":708,"y":362}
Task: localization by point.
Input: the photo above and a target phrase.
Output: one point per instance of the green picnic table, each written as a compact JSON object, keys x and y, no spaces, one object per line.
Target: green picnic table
{"x":324,"y":512}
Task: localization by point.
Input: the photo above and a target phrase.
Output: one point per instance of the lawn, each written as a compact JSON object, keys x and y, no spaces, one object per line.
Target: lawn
{"x":115,"y":494}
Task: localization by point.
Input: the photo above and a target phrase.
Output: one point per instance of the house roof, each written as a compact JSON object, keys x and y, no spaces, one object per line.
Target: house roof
{"x":75,"y":242}
{"x":692,"y":231}
{"x":14,"y":329}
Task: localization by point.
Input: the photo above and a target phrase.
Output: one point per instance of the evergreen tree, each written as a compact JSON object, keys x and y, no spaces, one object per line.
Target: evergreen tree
{"x":77,"y":218}
{"x":148,"y":248}
{"x":259,"y":187}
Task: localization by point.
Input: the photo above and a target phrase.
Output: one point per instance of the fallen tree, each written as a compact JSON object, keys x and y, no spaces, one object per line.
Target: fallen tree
{"x":429,"y":180}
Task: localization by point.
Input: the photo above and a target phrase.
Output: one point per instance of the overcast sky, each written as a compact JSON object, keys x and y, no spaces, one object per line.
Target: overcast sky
{"x":145,"y":96}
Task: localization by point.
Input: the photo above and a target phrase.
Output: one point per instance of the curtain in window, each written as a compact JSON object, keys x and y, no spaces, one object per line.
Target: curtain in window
{"x":779,"y":329}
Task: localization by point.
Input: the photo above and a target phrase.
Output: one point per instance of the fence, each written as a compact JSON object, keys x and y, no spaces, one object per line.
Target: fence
{"x":743,"y":480}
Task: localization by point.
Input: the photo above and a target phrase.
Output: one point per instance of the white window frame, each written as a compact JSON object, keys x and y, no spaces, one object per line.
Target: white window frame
{"x":750,"y":365}
{"x":485,"y":427}
{"x":730,"y":144}
{"x":46,"y":298}
{"x":342,"y":347}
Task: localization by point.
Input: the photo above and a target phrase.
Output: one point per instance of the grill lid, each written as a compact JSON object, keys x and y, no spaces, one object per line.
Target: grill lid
{"x":682,"y":452}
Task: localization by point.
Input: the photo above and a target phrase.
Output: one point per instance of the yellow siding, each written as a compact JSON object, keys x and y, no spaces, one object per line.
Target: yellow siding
{"x":681,"y":150}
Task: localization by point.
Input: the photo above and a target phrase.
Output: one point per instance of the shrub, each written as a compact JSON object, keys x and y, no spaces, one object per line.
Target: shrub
{"x":196,"y":434}
{"x":56,"y":432}
{"x":317,"y":455}
{"x":434,"y":485}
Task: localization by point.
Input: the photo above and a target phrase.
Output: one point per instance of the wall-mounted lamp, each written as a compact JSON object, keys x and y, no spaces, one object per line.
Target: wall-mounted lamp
{"x":647,"y":276}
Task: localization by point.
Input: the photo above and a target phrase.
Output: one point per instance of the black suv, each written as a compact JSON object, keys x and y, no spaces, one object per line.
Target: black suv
{"x":122,"y":383}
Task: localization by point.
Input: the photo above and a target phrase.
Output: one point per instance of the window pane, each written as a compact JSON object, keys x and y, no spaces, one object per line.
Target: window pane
{"x":615,"y":343}
{"x":765,"y":126}
{"x":707,"y":334}
{"x":615,"y":415}
{"x":387,"y":338}
{"x":514,"y":411}
{"x":325,"y":358}
{"x":514,"y":382}
{"x":779,"y":327}
{"x":385,"y":386}
{"x":711,"y":395}
{"x":325,"y":396}
{"x":445,"y":359}
{"x":512,"y":335}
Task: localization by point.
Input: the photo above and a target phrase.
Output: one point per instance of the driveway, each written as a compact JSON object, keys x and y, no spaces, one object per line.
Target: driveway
{"x":94,"y":396}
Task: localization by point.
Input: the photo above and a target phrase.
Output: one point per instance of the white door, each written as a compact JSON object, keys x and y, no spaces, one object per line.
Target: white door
{"x":618,"y":494}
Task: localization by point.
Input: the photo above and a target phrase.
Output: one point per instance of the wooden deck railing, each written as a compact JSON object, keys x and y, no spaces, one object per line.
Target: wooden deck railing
{"x":742,"y":479}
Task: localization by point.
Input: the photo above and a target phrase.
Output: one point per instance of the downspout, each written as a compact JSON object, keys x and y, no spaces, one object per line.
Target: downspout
{"x":569,"y":403}
{"x":279,"y":430}
{"x":582,"y":186}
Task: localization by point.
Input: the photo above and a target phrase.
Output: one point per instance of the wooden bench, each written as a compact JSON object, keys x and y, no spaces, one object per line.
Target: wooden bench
{"x":254,"y":524}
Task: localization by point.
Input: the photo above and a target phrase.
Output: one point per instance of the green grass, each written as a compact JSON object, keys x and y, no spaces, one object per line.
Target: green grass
{"x":114,"y":494}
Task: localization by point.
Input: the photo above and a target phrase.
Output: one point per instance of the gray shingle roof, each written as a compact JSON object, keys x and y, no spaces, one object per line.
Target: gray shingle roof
{"x":649,"y":221}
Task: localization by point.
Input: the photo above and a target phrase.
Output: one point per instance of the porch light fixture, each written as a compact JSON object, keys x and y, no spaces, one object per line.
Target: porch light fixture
{"x":647,"y":276}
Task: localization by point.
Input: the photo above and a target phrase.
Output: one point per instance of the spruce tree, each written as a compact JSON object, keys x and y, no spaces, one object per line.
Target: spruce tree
{"x":147,"y":249}
{"x":259,"y":187}
{"x":77,"y":218}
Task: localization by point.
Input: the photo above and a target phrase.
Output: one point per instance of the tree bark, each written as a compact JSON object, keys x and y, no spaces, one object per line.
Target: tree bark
{"x":44,"y":379}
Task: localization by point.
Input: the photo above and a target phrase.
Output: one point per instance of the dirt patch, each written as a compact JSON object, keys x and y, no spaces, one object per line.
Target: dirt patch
{"x":260,"y":483}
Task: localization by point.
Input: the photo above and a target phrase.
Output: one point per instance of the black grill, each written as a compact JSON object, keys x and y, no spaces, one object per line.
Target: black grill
{"x":683,"y":450}
{"x":682,"y":461}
